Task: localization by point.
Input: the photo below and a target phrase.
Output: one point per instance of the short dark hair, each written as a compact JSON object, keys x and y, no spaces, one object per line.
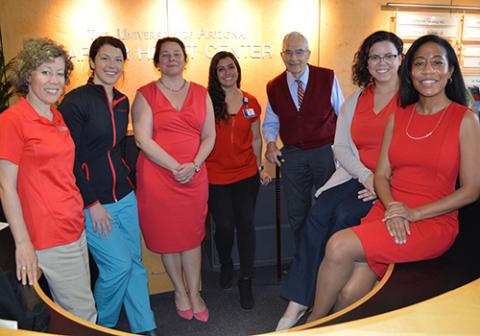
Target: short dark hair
{"x":100,"y":41}
{"x":455,"y":89}
{"x":35,"y":52}
{"x":163,"y":40}
{"x":215,"y":89}
{"x":360,"y":74}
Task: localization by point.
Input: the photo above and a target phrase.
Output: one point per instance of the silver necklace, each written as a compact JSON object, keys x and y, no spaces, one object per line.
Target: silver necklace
{"x":429,"y":133}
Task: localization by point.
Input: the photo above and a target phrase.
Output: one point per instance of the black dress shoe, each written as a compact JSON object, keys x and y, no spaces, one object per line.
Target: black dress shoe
{"x":226,"y":275}
{"x":152,"y":332}
{"x":246,"y":295}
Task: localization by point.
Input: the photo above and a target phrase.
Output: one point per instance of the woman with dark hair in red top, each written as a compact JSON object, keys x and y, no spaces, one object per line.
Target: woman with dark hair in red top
{"x":234,"y":171}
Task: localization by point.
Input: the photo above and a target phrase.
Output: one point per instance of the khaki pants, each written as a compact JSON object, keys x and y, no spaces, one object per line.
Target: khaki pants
{"x":67,"y":271}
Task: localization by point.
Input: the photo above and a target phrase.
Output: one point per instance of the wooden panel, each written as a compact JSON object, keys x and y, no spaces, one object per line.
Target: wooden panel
{"x":158,"y":279}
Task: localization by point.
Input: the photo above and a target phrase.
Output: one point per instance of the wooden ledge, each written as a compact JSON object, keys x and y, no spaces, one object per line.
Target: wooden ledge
{"x":345,"y":310}
{"x":452,"y":313}
{"x":64,"y":322}
{"x":353,"y":306}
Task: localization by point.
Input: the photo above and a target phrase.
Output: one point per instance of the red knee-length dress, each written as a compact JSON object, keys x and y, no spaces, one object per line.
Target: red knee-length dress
{"x":172,"y":215}
{"x":423,"y":171}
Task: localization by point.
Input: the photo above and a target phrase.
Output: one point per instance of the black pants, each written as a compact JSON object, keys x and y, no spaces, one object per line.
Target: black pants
{"x":232,"y":206}
{"x":336,"y":209}
{"x":303,"y":171}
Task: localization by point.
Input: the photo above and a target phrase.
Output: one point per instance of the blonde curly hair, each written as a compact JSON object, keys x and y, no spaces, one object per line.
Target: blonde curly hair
{"x":35,"y":52}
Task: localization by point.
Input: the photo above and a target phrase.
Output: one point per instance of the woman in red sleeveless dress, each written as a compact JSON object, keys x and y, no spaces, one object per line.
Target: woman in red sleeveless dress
{"x":174,"y":128}
{"x":427,"y":144}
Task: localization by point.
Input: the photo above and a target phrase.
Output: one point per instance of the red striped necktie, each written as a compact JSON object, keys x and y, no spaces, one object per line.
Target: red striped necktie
{"x":300,"y":92}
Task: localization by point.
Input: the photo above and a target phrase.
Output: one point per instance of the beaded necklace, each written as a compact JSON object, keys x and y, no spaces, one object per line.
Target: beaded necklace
{"x":172,"y":89}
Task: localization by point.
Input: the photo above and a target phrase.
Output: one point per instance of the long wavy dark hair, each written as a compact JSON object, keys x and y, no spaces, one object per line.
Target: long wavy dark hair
{"x":215,"y":89}
{"x":455,"y":89}
{"x":360,"y":74}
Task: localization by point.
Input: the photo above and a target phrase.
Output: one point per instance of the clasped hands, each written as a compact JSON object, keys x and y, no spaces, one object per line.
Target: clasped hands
{"x":397,"y":218}
{"x":184,"y":172}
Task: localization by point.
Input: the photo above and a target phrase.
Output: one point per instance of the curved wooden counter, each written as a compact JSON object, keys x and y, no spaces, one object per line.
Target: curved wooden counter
{"x":453,"y":313}
{"x":63,"y":322}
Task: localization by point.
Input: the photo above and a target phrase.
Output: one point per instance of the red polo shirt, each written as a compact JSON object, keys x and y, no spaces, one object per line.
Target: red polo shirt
{"x":44,"y":152}
{"x":232,"y":158}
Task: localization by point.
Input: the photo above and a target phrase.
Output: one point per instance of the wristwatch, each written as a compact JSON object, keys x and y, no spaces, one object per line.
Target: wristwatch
{"x":196,"y":167}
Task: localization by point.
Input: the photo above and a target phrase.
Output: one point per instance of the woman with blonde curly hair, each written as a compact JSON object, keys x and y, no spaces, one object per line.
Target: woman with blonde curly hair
{"x":40,"y":199}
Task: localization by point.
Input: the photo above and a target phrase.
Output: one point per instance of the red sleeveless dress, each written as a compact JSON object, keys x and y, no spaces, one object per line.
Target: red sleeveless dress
{"x":423,"y":170}
{"x":172,"y":215}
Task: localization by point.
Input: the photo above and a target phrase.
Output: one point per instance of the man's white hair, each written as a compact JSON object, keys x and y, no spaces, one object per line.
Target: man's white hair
{"x":293,"y":35}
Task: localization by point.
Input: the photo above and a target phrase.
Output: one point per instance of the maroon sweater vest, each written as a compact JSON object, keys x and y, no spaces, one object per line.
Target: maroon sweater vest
{"x":314,"y":125}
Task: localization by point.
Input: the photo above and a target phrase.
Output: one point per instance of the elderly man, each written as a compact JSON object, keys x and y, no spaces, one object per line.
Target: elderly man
{"x":303,"y":102}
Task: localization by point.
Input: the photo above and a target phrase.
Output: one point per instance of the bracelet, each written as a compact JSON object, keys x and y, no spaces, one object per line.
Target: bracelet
{"x":261,"y":168}
{"x":196,"y":167}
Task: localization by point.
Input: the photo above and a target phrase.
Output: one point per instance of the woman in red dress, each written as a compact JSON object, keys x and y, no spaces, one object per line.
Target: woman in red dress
{"x":174,"y":128}
{"x":427,"y":144}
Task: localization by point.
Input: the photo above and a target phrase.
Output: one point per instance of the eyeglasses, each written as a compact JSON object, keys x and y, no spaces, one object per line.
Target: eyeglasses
{"x":387,"y":58}
{"x":298,"y":52}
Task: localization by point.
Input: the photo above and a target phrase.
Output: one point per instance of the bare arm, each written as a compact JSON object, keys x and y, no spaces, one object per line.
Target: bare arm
{"x":142,"y":118}
{"x":398,"y":227}
{"x":469,"y":178}
{"x":257,"y":149}
{"x":207,"y":136}
{"x":257,"y":142}
{"x":25,"y":257}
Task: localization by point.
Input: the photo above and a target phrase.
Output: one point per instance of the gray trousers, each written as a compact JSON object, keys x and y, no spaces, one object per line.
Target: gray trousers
{"x":303,"y":171}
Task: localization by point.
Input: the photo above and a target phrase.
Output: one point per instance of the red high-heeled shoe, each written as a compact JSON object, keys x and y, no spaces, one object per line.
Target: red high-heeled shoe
{"x":201,"y":316}
{"x":185,"y":314}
